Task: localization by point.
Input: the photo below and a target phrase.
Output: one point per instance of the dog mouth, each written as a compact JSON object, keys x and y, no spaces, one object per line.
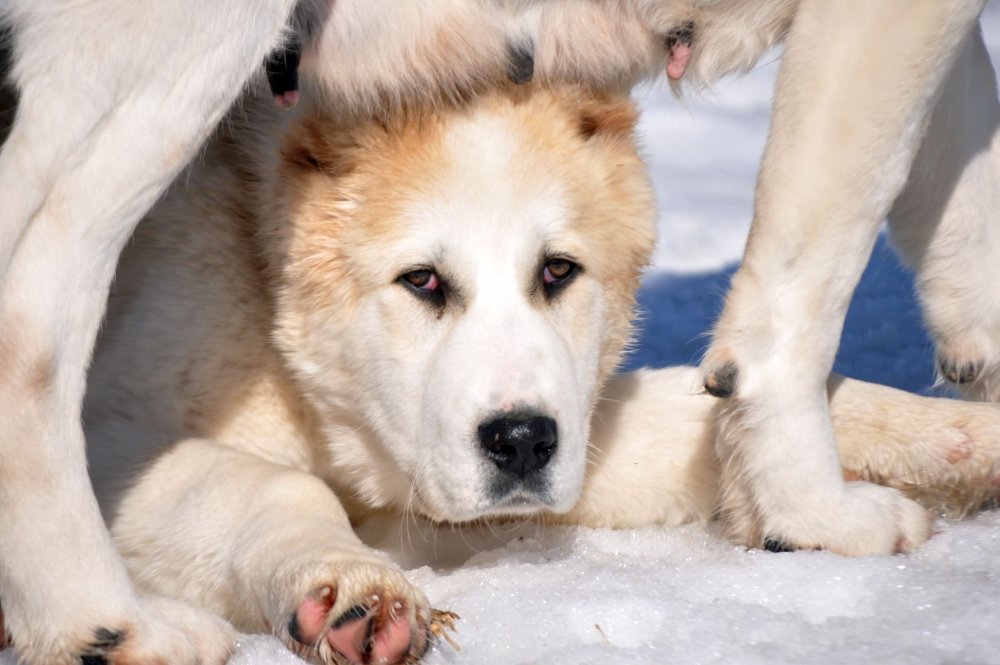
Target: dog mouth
{"x":520,"y":503}
{"x":501,"y":500}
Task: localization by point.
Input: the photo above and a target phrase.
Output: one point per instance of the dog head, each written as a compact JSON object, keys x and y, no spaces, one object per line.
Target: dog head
{"x":454,"y":286}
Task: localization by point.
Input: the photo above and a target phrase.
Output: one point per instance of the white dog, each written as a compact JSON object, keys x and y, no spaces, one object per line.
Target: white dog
{"x":116,"y":97}
{"x":417,"y":315}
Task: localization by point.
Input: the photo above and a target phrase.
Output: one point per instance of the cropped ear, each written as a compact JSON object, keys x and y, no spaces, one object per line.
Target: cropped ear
{"x":613,"y":117}
{"x":319,"y":145}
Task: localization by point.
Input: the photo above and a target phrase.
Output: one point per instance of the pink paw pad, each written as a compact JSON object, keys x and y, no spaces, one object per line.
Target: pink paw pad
{"x":376,"y":632}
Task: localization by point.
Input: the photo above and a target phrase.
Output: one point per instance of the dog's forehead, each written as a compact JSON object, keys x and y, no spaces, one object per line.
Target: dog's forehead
{"x":492,"y":181}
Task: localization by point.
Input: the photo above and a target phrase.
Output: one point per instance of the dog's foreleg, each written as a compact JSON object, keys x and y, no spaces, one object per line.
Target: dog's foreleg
{"x":856,"y":86}
{"x":652,"y":457}
{"x":945,"y":225}
{"x":115,"y":97}
{"x":271,"y":549}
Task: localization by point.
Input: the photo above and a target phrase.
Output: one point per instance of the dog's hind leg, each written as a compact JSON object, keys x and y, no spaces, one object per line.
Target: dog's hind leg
{"x":115,"y":97}
{"x":857,"y":84}
{"x":946,"y":225}
{"x":652,"y":459}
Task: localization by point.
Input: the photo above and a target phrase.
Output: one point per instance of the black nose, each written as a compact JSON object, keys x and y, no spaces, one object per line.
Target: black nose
{"x":519,"y":445}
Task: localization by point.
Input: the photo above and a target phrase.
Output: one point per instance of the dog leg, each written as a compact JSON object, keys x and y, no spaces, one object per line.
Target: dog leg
{"x":857,"y":83}
{"x":652,"y":456}
{"x":275,"y":553}
{"x":943,"y":452}
{"x":945,"y":228}
{"x":115,"y":97}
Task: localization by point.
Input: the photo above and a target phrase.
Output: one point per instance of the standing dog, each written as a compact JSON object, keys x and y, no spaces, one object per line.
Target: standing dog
{"x":116,"y":97}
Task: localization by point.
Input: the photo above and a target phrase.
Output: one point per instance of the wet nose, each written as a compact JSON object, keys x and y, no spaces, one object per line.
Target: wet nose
{"x":519,"y":445}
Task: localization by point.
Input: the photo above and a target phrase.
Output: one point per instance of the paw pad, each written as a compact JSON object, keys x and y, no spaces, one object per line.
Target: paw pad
{"x":377,"y":630}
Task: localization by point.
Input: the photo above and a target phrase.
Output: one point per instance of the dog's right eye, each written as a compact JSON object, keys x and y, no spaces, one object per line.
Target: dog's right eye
{"x":424,"y":284}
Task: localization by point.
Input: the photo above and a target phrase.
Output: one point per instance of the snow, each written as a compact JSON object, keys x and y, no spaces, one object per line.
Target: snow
{"x":653,"y":596}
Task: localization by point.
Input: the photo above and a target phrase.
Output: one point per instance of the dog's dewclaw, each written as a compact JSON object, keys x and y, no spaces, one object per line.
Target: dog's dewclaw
{"x":443,"y":621}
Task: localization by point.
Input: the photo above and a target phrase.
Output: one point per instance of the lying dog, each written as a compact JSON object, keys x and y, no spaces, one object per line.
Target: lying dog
{"x":325,"y":319}
{"x":115,"y":98}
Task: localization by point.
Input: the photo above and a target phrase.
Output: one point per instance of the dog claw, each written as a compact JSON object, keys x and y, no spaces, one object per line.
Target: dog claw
{"x":956,"y":373}
{"x":777,"y":545}
{"x":721,"y":382}
{"x":521,"y":67}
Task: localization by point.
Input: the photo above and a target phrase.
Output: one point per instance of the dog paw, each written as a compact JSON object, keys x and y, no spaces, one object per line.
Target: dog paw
{"x":157,"y":632}
{"x":958,"y":373}
{"x":368,"y":614}
{"x":869,"y":519}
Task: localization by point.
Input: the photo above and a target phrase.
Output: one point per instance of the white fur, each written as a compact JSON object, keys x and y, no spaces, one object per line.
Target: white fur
{"x":852,"y":105}
{"x":236,"y":437}
{"x":115,"y":98}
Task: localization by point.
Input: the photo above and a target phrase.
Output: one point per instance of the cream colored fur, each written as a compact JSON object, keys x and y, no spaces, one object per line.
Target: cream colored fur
{"x":264,"y":380}
{"x":858,"y":91}
{"x":116,"y":97}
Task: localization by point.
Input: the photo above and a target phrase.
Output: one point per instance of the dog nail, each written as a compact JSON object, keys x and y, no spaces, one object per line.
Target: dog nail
{"x":721,"y":382}
{"x":958,"y":373}
{"x":282,"y":69}
{"x":521,"y":66}
{"x":681,"y":35}
{"x":105,"y":638}
{"x":777,"y":545}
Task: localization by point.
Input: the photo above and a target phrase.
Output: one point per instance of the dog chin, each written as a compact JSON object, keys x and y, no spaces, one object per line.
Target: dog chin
{"x":518,"y":504}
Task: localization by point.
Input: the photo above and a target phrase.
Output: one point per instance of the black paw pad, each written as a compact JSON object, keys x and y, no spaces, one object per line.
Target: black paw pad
{"x":521,"y":67}
{"x":295,"y":630}
{"x":353,"y":614}
{"x":777,"y":545}
{"x":682,"y":34}
{"x":721,"y":382}
{"x":958,"y":373}
{"x":93,"y":660}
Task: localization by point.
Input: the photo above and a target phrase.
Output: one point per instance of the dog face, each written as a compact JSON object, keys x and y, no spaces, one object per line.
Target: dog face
{"x":456,"y":286}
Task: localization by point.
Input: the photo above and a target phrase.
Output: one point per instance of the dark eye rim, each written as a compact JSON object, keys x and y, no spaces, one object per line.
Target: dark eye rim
{"x":435,"y":296}
{"x":553,"y":288}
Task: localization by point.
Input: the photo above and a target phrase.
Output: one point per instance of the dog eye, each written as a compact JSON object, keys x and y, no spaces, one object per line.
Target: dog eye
{"x":425,"y":280}
{"x":557,"y":273}
{"x":425,"y":284}
{"x":558,"y":270}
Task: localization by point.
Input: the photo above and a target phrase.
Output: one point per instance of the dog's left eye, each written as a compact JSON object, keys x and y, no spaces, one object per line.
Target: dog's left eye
{"x":558,"y":271}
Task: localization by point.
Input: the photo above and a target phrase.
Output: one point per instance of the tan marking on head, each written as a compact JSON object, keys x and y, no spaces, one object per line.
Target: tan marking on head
{"x":342,"y":188}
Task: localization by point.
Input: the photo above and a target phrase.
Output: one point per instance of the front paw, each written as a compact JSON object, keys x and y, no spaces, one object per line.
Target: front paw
{"x":869,"y":519}
{"x":365,"y":613}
